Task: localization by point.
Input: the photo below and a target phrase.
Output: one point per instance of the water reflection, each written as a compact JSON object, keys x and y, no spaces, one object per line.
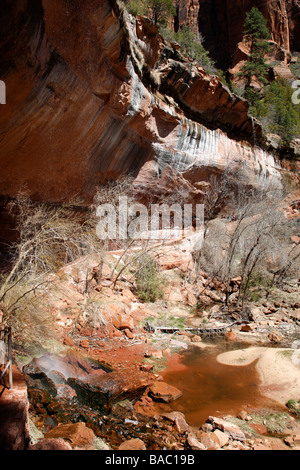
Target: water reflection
{"x":209,"y":388}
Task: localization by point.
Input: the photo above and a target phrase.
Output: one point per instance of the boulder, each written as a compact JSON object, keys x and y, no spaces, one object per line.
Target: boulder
{"x":248,"y":327}
{"x":36,"y":378}
{"x":210,"y":441}
{"x":196,"y":339}
{"x":100,"y":392}
{"x":123,"y":322}
{"x":51,"y":444}
{"x":129,"y":333}
{"x":178,"y":419}
{"x":222,"y":437}
{"x":194,"y":444}
{"x":84,"y":344}
{"x":230,"y":336}
{"x":78,"y":435}
{"x":228,"y":428}
{"x":275,"y":336}
{"x":133,"y":444}
{"x":49,"y":371}
{"x":173,"y":259}
{"x":163,"y":392}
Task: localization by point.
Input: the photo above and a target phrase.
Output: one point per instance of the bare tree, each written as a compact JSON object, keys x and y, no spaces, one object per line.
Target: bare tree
{"x":49,"y":236}
{"x":252,"y":230}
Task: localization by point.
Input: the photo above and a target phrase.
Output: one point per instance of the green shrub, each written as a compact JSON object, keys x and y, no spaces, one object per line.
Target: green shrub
{"x":191,"y":46}
{"x":256,"y":34}
{"x":148,"y":280}
{"x":277,"y":111}
{"x":276,"y":422}
{"x":157,"y":10}
{"x":295,"y":66}
{"x":294,"y":406}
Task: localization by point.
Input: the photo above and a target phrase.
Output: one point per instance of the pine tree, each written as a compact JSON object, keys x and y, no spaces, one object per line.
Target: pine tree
{"x":161,"y":9}
{"x":157,"y":10}
{"x":256,"y":33}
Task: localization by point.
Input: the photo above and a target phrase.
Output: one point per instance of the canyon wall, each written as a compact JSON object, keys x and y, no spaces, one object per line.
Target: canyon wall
{"x":221,"y":23}
{"x":92,"y":94}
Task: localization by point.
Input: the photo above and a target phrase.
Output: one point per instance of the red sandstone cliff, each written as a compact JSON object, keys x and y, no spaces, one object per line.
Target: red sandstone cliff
{"x":92,"y":94}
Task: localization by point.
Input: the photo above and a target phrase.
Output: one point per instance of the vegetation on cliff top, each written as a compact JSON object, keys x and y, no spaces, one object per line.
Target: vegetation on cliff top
{"x":255,"y":68}
{"x":270,"y":100}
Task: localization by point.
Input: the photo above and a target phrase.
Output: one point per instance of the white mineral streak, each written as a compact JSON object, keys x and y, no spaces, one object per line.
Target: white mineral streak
{"x":191,"y":146}
{"x":197,"y":147}
{"x":138,"y":95}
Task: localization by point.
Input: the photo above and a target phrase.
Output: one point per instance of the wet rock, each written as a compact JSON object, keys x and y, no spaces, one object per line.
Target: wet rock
{"x":57,"y":377}
{"x":77,"y":364}
{"x":38,"y":396}
{"x":100,"y":392}
{"x":163,"y":392}
{"x":178,"y":419}
{"x":65,"y":391}
{"x":37,"y":379}
{"x":51,"y":369}
{"x":133,"y":444}
{"x":78,"y":435}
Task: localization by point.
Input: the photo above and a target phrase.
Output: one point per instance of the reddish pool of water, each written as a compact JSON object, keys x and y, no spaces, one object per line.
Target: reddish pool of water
{"x":212,"y":389}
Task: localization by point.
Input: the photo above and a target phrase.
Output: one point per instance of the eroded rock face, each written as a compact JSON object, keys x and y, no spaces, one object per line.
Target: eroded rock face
{"x":93,"y":94}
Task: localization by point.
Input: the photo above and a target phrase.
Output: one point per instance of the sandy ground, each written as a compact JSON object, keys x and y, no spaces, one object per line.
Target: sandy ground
{"x":279,"y":370}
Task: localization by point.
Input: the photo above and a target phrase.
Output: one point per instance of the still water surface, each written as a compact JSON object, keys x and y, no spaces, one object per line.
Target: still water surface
{"x":212,"y":389}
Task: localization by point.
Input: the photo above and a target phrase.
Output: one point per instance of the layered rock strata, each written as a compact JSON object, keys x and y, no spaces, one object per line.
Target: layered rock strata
{"x":92,"y":94}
